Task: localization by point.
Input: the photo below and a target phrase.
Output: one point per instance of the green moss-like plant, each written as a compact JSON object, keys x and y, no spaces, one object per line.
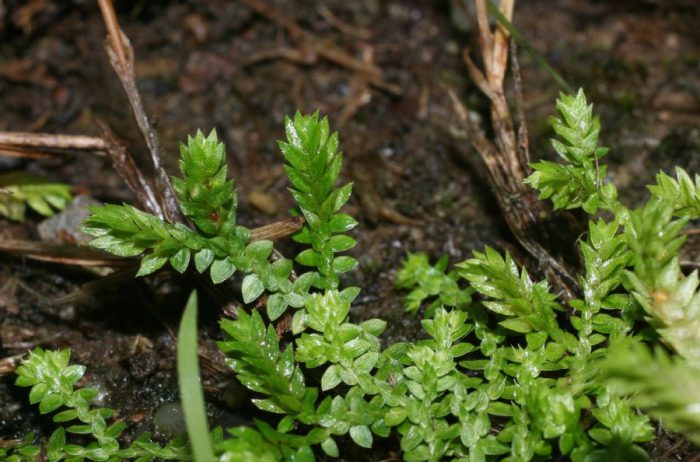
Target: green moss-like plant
{"x":504,"y":370}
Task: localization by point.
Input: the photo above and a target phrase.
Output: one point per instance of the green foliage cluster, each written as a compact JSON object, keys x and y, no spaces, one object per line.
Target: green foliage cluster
{"x":19,"y":190}
{"x":221,"y":246}
{"x":52,"y":381}
{"x":667,"y":387}
{"x":430,"y":282}
{"x":313,"y":166}
{"x":262,"y":366}
{"x":504,"y":369}
{"x":578,"y":182}
{"x":518,"y":375}
{"x":682,"y":192}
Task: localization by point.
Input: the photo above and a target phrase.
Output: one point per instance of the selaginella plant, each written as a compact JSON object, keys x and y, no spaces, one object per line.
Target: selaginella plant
{"x":221,"y":246}
{"x":505,"y":370}
{"x":19,"y":190}
{"x":52,"y":381}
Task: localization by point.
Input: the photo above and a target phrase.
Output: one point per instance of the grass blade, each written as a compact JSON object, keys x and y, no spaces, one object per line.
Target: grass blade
{"x":190,"y":386}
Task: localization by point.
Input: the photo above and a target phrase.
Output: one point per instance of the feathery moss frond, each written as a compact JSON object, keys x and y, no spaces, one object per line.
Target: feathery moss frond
{"x":52,"y":381}
{"x":205,"y":194}
{"x":666,"y":387}
{"x":528,"y":306}
{"x":579,"y":181}
{"x":682,"y":192}
{"x":313,"y":167}
{"x":19,"y":190}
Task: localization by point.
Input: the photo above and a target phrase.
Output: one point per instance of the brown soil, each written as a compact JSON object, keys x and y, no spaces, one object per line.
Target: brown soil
{"x":417,"y":186}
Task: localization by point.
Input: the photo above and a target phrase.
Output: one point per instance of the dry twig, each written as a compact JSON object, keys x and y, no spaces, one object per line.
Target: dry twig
{"x":507,"y":155}
{"x":51,"y":141}
{"x":126,"y":168}
{"x":47,"y":145}
{"x":66,"y":254}
{"x":322,"y":48}
{"x":342,"y":26}
{"x":121,"y":57}
{"x":277,"y":230}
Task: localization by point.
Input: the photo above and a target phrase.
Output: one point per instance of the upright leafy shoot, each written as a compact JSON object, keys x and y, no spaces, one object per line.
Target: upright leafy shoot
{"x":205,"y":193}
{"x":313,"y":166}
{"x":579,"y":181}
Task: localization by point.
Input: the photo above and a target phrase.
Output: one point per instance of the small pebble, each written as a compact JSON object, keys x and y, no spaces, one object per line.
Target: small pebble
{"x":169,"y":420}
{"x":65,"y":226}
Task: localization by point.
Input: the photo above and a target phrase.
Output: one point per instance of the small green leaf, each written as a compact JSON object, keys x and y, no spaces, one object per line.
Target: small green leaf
{"x":331,"y":378}
{"x":252,"y":287}
{"x":342,"y":195}
{"x":203,"y":259}
{"x":374,"y":326}
{"x":308,"y":257}
{"x":259,"y":250}
{"x":366,"y":362}
{"x":38,"y":392}
{"x":276,"y":306}
{"x":56,"y":442}
{"x":221,"y":270}
{"x":330,"y":447}
{"x":80,"y":429}
{"x":50,"y":403}
{"x":150,"y":264}
{"x":180,"y":260}
{"x":72,"y":374}
{"x":74,"y":450}
{"x":66,"y":416}
{"x":395,"y":416}
{"x":341,"y":223}
{"x":361,"y":435}
{"x":341,"y":243}
{"x":298,"y":322}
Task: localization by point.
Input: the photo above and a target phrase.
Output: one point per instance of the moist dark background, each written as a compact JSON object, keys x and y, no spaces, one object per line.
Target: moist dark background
{"x":417,"y":186}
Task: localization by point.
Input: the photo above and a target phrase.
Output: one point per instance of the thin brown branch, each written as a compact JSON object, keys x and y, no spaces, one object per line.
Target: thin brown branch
{"x":277,"y":230}
{"x":113,"y":29}
{"x":506,"y":155}
{"x":99,"y":285}
{"x":121,"y":57}
{"x":6,"y":151}
{"x":343,"y":27}
{"x":322,"y":48}
{"x":478,"y":77}
{"x":51,"y":141}
{"x":65,"y":254}
{"x":501,"y":38}
{"x":523,"y":143}
{"x":126,"y":168}
{"x":477,"y":136}
{"x":485,"y":36}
